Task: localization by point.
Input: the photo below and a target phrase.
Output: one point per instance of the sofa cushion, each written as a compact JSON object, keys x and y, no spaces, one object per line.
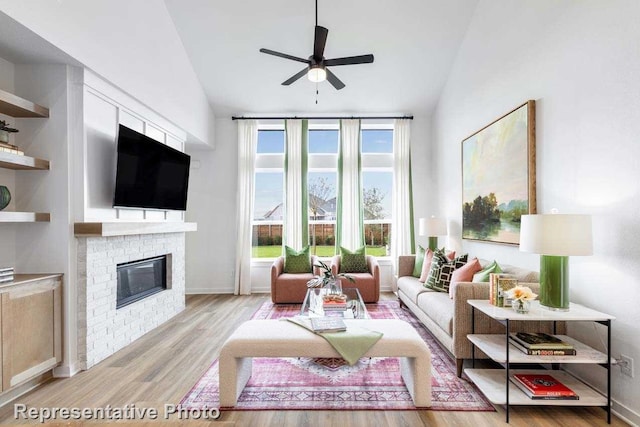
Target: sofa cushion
{"x":439,"y":308}
{"x":297,"y":261}
{"x":353,"y":261}
{"x":411,"y":287}
{"x":442,"y":270}
{"x":417,"y":265}
{"x":426,"y":265}
{"x":464,"y":274}
{"x":483,"y":275}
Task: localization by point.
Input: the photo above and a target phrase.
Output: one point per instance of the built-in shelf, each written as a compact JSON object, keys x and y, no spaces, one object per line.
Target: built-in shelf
{"x":24,"y":217}
{"x":14,"y":106}
{"x":21,"y":162}
{"x":108,"y":229}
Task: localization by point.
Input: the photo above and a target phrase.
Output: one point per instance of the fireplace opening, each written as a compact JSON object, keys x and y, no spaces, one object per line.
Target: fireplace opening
{"x":140,"y":279}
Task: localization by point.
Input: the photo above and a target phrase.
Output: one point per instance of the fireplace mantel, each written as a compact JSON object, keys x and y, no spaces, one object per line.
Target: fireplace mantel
{"x":121,"y":228}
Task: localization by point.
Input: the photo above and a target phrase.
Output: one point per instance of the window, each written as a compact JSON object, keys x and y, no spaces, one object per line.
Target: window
{"x":322,"y":186}
{"x":376,"y":204}
{"x":377,"y":141}
{"x":270,"y":141}
{"x":377,"y":187}
{"x":324,"y":139}
{"x":268,"y":207}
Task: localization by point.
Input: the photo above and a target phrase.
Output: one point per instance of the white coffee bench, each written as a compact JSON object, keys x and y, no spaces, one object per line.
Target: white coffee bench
{"x":280,"y":338}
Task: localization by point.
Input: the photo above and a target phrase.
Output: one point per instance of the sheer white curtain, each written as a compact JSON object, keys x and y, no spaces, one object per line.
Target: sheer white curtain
{"x":247,"y":144}
{"x":296,"y":220}
{"x":350,"y":224}
{"x":402,"y":237}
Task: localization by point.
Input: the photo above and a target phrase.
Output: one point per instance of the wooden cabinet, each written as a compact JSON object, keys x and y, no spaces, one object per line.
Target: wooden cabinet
{"x":31,"y":323}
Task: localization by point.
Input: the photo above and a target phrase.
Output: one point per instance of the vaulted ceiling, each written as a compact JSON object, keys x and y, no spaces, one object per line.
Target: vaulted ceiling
{"x":414,"y":43}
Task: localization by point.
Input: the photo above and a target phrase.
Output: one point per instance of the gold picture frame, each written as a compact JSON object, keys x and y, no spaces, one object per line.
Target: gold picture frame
{"x":499,"y":177}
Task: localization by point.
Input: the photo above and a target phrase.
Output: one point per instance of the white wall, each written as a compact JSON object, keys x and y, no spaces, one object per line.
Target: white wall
{"x":579,"y":60}
{"x":212,"y":204}
{"x":144,"y":57}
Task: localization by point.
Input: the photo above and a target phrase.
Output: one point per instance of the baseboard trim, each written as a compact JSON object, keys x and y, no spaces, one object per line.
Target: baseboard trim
{"x":621,"y":411}
{"x":66,"y":371}
{"x":16,"y":392}
{"x":625,"y":414}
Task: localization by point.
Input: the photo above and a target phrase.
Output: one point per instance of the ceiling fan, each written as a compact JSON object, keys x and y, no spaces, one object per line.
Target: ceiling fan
{"x":316,"y":69}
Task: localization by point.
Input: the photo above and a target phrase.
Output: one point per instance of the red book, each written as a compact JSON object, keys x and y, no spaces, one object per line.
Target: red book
{"x":543,"y":386}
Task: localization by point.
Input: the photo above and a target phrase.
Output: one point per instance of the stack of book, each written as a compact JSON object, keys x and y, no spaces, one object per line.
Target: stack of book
{"x":334,"y":303}
{"x":500,"y":283}
{"x":6,"y":274}
{"x":541,"y":344}
{"x":542,"y":386}
{"x":9,"y":148}
{"x":334,"y":306}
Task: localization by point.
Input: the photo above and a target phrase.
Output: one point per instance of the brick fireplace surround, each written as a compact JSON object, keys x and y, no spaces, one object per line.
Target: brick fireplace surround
{"x":103,"y":329}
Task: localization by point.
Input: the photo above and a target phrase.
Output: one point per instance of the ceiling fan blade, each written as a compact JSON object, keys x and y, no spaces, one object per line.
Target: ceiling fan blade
{"x":284,"y":55}
{"x":295,"y":77}
{"x":336,"y":82}
{"x":319,"y":42}
{"x":350,"y":60}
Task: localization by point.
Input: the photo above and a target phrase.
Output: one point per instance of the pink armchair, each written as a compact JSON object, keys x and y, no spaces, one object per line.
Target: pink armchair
{"x":367,"y":283}
{"x":288,"y":287}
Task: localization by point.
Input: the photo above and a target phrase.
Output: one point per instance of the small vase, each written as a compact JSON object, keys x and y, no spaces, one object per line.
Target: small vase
{"x":521,"y":306}
{"x":5,"y":197}
{"x":334,"y":287}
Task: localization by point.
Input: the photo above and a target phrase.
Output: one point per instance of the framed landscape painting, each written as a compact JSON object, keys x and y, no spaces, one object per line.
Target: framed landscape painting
{"x":499,"y":177}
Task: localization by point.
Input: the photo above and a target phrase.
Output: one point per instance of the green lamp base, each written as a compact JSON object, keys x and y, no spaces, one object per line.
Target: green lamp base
{"x":433,"y":243}
{"x":554,"y":282}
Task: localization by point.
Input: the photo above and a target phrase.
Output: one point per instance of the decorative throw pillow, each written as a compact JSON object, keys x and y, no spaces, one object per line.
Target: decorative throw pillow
{"x":353,"y":261}
{"x":297,"y":261}
{"x":483,"y":275}
{"x":464,"y":274}
{"x":442,"y":269}
{"x":426,"y":265}
{"x":417,"y":266}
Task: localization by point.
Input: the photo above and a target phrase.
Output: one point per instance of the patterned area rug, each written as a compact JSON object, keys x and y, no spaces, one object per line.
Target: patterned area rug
{"x":327,"y":383}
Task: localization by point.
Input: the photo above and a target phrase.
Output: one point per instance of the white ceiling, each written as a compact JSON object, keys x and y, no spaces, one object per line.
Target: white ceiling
{"x":414,"y":43}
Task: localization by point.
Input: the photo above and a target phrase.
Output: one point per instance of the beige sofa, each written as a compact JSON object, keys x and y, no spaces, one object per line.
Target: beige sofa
{"x":449,"y":319}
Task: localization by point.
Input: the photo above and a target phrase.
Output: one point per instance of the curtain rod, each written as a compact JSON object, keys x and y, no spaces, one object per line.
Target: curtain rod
{"x":322,"y":118}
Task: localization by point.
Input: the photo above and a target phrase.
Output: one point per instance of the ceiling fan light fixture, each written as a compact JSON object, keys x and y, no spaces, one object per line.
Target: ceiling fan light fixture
{"x":317,"y":74}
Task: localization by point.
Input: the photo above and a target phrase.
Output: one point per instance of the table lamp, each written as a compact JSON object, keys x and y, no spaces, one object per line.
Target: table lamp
{"x":555,"y":237}
{"x":433,"y":227}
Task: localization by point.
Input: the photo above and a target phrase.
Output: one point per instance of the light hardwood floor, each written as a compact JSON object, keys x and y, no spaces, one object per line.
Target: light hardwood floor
{"x":163,"y":365}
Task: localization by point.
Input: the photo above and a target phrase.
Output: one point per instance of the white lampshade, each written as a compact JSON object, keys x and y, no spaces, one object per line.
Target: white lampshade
{"x":556,"y":234}
{"x":317,"y":75}
{"x":433,"y":227}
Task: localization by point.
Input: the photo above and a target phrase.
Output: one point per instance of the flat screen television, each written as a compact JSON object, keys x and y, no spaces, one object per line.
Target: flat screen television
{"x":149,"y":174}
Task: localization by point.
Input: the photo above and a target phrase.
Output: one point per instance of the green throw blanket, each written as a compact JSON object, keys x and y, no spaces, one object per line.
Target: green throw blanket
{"x":352,"y":344}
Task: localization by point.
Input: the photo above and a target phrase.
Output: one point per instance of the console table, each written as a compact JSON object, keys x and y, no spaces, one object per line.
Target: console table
{"x":495,"y":383}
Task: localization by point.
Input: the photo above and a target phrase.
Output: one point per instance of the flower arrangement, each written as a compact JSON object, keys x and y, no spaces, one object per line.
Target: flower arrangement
{"x":522,"y":297}
{"x":327,"y":276}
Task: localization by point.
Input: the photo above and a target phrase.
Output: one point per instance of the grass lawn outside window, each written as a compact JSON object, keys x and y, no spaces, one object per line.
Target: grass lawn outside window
{"x":322,"y":251}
